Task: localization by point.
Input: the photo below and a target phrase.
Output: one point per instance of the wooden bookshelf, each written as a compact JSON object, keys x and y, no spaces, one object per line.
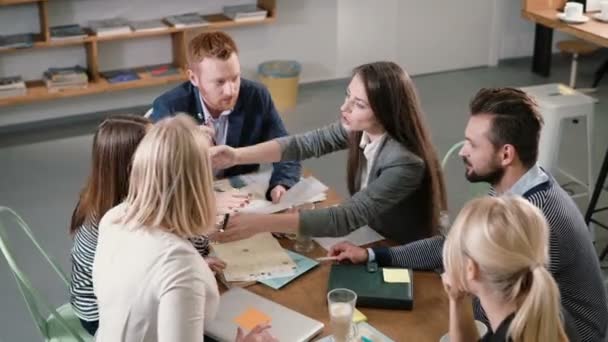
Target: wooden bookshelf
{"x":37,"y":91}
{"x":18,"y":2}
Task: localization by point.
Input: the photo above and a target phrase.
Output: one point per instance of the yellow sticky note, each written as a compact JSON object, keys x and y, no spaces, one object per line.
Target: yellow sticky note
{"x":396,"y":275}
{"x":250,"y":318}
{"x":358,"y":316}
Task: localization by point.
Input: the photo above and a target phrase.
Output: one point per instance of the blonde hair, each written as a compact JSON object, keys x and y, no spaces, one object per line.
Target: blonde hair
{"x":508,"y":238}
{"x":171,"y":183}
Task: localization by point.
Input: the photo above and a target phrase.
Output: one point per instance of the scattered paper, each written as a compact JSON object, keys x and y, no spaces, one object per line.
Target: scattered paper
{"x":365,"y":333}
{"x":303,"y":264}
{"x":396,"y":275}
{"x":362,"y":236}
{"x":259,"y":257}
{"x":307,"y":190}
{"x":250,"y":318}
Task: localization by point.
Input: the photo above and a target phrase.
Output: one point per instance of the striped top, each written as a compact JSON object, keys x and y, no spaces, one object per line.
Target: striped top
{"x":572,"y":260}
{"x":82,"y":298}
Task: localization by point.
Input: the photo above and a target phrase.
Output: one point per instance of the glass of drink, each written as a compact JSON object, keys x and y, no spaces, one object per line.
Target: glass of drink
{"x":304,"y":243}
{"x":341,"y":304}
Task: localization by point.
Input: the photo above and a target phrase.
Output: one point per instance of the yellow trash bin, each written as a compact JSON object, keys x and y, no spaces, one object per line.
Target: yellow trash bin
{"x":281,"y":78}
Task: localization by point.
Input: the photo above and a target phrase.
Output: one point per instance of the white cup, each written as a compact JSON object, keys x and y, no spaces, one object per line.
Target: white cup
{"x":482,"y":329}
{"x":341,"y":308}
{"x":604,"y":9}
{"x":573,"y":10}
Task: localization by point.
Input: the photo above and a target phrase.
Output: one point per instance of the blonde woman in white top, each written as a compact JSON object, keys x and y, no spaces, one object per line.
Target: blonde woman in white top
{"x":150,"y":282}
{"x":497,"y":250}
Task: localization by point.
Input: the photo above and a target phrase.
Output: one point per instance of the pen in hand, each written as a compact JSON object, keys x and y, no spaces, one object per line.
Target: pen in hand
{"x":225,"y":223}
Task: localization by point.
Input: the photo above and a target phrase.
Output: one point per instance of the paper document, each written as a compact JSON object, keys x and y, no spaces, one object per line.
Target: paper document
{"x":259,"y":257}
{"x":303,"y":264}
{"x":365,"y":332}
{"x":359,"y":237}
{"x":306,"y":190}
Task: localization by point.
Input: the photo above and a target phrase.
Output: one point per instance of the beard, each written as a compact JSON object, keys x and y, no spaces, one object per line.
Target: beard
{"x":492,"y":176}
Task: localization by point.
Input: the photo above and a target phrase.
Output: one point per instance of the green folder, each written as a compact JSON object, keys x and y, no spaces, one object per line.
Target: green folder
{"x":370,"y":287}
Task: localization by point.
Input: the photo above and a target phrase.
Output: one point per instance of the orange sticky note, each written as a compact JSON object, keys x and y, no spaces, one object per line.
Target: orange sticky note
{"x":250,"y":318}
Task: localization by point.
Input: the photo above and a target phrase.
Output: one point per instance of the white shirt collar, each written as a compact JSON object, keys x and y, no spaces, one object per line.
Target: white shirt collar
{"x":529,"y":180}
{"x":207,"y":114}
{"x":368,"y":146}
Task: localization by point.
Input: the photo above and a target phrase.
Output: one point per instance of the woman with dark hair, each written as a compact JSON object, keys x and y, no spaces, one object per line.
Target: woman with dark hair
{"x":114,"y":144}
{"x":393,"y":172}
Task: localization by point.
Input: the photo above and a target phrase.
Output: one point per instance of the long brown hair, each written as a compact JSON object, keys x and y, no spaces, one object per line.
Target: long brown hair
{"x":114,"y":144}
{"x":393,"y":99}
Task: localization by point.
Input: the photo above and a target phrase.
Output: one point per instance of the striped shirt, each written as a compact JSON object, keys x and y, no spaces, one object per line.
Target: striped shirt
{"x":572,"y":260}
{"x":82,"y":298}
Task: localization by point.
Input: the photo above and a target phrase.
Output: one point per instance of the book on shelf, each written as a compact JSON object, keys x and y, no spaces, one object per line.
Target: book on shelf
{"x":75,"y":74}
{"x":160,"y":70}
{"x":12,"y":92}
{"x":12,"y":86}
{"x":248,"y":12}
{"x":55,"y":88}
{"x":66,"y":32}
{"x":60,"y":79}
{"x":120,"y":76}
{"x":19,"y":41}
{"x":11,"y":82}
{"x":192,"y":19}
{"x":151,"y":25}
{"x":110,"y":27}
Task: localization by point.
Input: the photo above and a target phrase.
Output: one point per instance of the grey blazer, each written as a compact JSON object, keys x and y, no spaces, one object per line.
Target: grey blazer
{"x":391,"y":203}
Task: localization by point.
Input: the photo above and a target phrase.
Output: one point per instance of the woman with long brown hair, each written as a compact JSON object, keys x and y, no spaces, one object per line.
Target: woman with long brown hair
{"x":393,"y":172}
{"x":149,"y":280}
{"x":114,"y":144}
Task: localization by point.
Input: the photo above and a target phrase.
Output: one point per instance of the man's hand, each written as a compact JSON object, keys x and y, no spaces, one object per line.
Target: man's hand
{"x":223,"y":157}
{"x":347,"y":251}
{"x":277,"y":192}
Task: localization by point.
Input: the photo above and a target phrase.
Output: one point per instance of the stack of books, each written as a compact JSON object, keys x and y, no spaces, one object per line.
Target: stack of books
{"x":19,"y":41}
{"x":66,"y":32}
{"x":152,"y":25}
{"x":59,"y":79}
{"x":120,"y":76}
{"x":249,"y":12}
{"x":12,"y":86}
{"x":110,"y":27}
{"x":186,"y":20}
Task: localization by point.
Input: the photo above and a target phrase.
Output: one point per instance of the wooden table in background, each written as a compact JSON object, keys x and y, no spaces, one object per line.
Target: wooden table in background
{"x":544,"y":14}
{"x":428,"y":321}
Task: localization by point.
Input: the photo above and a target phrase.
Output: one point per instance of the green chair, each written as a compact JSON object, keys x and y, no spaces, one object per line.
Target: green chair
{"x":62,"y":324}
{"x":475,"y":189}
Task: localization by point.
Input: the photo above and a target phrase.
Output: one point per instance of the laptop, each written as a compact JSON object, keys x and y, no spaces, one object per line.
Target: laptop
{"x":287,"y":325}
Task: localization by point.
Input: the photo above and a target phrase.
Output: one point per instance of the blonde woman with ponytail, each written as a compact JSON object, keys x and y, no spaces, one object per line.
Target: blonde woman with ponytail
{"x":150,"y":282}
{"x":497,"y":251}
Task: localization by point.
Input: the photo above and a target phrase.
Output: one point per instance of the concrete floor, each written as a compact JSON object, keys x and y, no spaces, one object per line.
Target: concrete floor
{"x":42,"y":169}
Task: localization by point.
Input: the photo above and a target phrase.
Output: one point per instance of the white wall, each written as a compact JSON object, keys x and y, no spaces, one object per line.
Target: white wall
{"x":440,"y":35}
{"x":516,"y":35}
{"x":417,"y":35}
{"x":329,"y":38}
